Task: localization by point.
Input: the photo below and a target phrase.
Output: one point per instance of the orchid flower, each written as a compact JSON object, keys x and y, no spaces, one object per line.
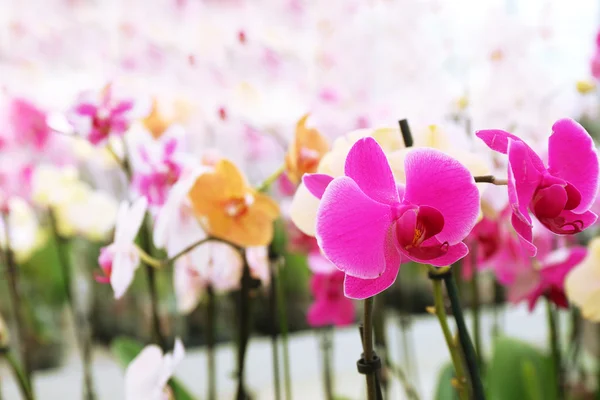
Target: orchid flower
{"x":156,"y":124}
{"x":233,"y":210}
{"x":305,"y":152}
{"x":366,"y":223}
{"x":98,"y":119}
{"x":559,"y":195}
{"x":546,"y":278}
{"x":147,"y":375}
{"x":29,"y":124}
{"x":120,"y":259}
{"x":583,"y":283}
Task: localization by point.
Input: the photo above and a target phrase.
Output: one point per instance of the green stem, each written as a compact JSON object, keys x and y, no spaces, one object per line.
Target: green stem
{"x":266,"y":184}
{"x":283,"y":324}
{"x":381,"y":340}
{"x":464,"y":338}
{"x":244,"y":329}
{"x":326,"y":350}
{"x":368,"y":346}
{"x":554,"y":348}
{"x":210,"y":343}
{"x":274,"y":340}
{"x":440,"y":312}
{"x":81,"y":323}
{"x":24,"y":385}
{"x":475,"y":304}
{"x":17,"y":305}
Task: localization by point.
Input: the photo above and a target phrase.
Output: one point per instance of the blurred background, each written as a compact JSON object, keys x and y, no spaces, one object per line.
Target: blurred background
{"x":236,"y":76}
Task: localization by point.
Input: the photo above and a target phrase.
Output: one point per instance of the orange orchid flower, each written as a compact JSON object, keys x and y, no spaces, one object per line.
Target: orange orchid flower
{"x":155,"y":122}
{"x":232,"y":209}
{"x":305,"y":152}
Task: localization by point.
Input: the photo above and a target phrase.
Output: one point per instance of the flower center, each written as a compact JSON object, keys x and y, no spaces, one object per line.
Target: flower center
{"x":308,"y":159}
{"x":238,"y":206}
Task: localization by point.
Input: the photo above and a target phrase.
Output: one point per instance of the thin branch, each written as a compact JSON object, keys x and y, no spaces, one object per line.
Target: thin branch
{"x":490,"y":179}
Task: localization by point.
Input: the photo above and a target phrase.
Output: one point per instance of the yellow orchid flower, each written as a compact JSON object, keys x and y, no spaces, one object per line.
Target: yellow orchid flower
{"x":305,"y":151}
{"x":231,"y":209}
{"x":155,"y":122}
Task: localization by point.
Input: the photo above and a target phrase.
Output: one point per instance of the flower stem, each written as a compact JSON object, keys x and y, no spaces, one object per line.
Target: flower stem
{"x":17,"y":305}
{"x":326,"y":351}
{"x":490,"y":179}
{"x":381,"y":341}
{"x":266,"y":184}
{"x":283,"y":326}
{"x":555,"y":349}
{"x":464,"y":338}
{"x":210,"y":343}
{"x":440,"y":312}
{"x":192,"y":246}
{"x":81,"y":322}
{"x":475,"y":305}
{"x":24,"y":385}
{"x":244,"y":329}
{"x":368,"y":346}
{"x":274,"y":342}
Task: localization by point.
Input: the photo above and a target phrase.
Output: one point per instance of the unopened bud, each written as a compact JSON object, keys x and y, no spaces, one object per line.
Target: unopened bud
{"x":585,"y":87}
{"x":4,"y":335}
{"x":430,"y":310}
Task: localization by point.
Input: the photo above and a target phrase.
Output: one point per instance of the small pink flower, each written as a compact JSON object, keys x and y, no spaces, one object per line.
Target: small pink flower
{"x":548,"y":279}
{"x":331,"y":307}
{"x":559,"y":195}
{"x":366,"y":223}
{"x":97,"y":119}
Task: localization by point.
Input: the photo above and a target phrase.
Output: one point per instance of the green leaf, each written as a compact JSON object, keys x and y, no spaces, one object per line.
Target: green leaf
{"x":445,"y":390}
{"x":126,"y":349}
{"x":518,"y":370}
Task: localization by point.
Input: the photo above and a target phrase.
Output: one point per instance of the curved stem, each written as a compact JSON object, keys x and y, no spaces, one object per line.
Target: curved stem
{"x":409,"y":389}
{"x":266,"y":184}
{"x":368,"y":346}
{"x":440,"y":312}
{"x":24,"y":385}
{"x":148,"y":259}
{"x":465,"y":339}
{"x":555,"y":349}
{"x":475,"y":305}
{"x":196,"y":244}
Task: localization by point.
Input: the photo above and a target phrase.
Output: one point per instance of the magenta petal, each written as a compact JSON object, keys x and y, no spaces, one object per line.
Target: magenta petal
{"x":572,"y":157}
{"x":555,"y":272}
{"x":356,"y":288}
{"x":525,"y":233}
{"x":430,"y":220}
{"x":353,"y":230}
{"x":496,"y":139}
{"x":569,"y":223}
{"x":344,"y":314}
{"x":437,"y":180}
{"x":549,"y":202}
{"x":316,"y":183}
{"x":428,"y":254}
{"x":523,"y":179}
{"x":86,"y":109}
{"x":368,"y":166}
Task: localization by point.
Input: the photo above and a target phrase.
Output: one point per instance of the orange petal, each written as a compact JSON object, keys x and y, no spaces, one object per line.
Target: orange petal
{"x":266,"y":205}
{"x":307,"y":140}
{"x":154,"y":122}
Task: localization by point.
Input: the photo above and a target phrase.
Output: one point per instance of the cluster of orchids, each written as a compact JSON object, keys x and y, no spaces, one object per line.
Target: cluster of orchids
{"x":360,"y":208}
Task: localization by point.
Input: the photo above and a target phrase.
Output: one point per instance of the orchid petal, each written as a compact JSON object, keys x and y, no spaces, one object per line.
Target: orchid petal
{"x":569,"y":223}
{"x":437,"y":180}
{"x":572,"y":157}
{"x":122,"y":273}
{"x":523,"y":179}
{"x":316,"y":183}
{"x":357,"y":288}
{"x":353,"y":230}
{"x":525,"y":233}
{"x":368,"y":166}
{"x":549,"y":202}
{"x":432,"y":255}
{"x":303,"y":210}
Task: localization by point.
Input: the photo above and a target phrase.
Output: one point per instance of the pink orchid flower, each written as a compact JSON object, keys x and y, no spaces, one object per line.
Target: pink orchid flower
{"x":331,"y":307}
{"x":595,"y":61}
{"x":161,"y":168}
{"x":97,"y":119}
{"x":484,"y":242}
{"x":546,"y":279}
{"x":366,"y":223}
{"x":559,"y":195}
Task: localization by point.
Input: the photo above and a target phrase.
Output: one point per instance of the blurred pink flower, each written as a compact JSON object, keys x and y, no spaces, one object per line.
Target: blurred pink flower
{"x":484,"y":244}
{"x":595,"y":61}
{"x":559,"y":195}
{"x":366,"y":223}
{"x":330,"y":307}
{"x":29,"y":124}
{"x":546,"y":278}
{"x":98,"y":118}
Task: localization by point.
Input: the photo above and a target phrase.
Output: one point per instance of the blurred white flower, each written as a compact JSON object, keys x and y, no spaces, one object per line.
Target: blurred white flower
{"x":25,"y":234}
{"x":147,"y":375}
{"x":120,"y":259}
